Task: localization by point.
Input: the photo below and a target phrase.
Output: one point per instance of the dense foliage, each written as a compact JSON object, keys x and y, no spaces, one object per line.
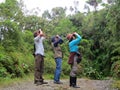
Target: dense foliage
{"x":100,"y":45}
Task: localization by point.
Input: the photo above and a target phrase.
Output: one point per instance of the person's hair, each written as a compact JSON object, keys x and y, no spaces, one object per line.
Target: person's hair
{"x":73,"y":35}
{"x":35,"y":33}
{"x":71,"y":39}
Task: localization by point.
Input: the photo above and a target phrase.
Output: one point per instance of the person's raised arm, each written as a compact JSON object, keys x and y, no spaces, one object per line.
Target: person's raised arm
{"x":77,"y":40}
{"x":58,"y":40}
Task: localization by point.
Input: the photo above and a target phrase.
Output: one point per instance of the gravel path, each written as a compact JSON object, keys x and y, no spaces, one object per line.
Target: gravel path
{"x":84,"y":84}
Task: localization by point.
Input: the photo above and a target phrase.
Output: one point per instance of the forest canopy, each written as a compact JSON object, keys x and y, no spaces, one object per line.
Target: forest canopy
{"x":100,"y":45}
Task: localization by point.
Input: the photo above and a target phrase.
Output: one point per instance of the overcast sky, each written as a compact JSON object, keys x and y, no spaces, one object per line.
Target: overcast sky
{"x":49,"y":4}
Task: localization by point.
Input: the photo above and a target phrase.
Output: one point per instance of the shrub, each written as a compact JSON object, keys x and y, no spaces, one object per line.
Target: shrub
{"x":115,"y":70}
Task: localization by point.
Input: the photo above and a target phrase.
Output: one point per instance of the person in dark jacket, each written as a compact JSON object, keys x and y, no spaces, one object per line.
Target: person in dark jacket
{"x":56,"y":41}
{"x":74,"y":40}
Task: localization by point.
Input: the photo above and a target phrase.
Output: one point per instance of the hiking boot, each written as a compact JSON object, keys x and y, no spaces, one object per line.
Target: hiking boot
{"x":44,"y":82}
{"x":38,"y":83}
{"x":75,"y":86}
{"x":35,"y":81}
{"x":58,"y":82}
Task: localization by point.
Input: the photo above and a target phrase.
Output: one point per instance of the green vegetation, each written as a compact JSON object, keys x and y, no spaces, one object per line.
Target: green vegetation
{"x":116,"y":84}
{"x":100,"y":45}
{"x":7,"y":81}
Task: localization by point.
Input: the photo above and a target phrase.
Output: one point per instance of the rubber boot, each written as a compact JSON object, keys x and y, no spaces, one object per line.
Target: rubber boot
{"x":74,"y":82}
{"x":71,"y":81}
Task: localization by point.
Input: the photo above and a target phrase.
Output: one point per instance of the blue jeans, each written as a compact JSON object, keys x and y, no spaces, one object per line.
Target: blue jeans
{"x":58,"y":69}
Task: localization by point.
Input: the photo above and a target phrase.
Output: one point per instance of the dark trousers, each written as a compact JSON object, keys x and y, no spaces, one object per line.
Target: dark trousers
{"x":39,"y":68}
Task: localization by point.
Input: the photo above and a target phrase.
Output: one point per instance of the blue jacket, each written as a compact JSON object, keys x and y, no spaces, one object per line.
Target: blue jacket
{"x":73,"y":45}
{"x":55,"y":43}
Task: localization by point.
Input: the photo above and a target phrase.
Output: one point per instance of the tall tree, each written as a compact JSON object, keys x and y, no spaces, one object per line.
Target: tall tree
{"x":58,"y":12}
{"x":94,"y":3}
{"x":46,"y":14}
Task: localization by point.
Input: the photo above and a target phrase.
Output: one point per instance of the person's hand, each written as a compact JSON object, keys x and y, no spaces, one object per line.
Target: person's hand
{"x":41,"y":32}
{"x":75,"y":33}
{"x":57,"y":36}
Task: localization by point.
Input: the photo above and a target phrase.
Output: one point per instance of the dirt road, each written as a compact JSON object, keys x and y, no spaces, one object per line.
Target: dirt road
{"x":84,"y":84}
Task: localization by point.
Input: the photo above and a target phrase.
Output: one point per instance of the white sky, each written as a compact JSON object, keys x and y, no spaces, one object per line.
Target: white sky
{"x":49,"y":4}
{"x":2,"y":1}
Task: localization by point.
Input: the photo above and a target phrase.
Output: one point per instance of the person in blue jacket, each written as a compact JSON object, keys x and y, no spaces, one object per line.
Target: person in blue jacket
{"x":74,"y":40}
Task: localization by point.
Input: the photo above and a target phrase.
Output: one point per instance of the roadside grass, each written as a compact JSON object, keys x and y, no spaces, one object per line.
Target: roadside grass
{"x":116,"y":84}
{"x":4,"y":82}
